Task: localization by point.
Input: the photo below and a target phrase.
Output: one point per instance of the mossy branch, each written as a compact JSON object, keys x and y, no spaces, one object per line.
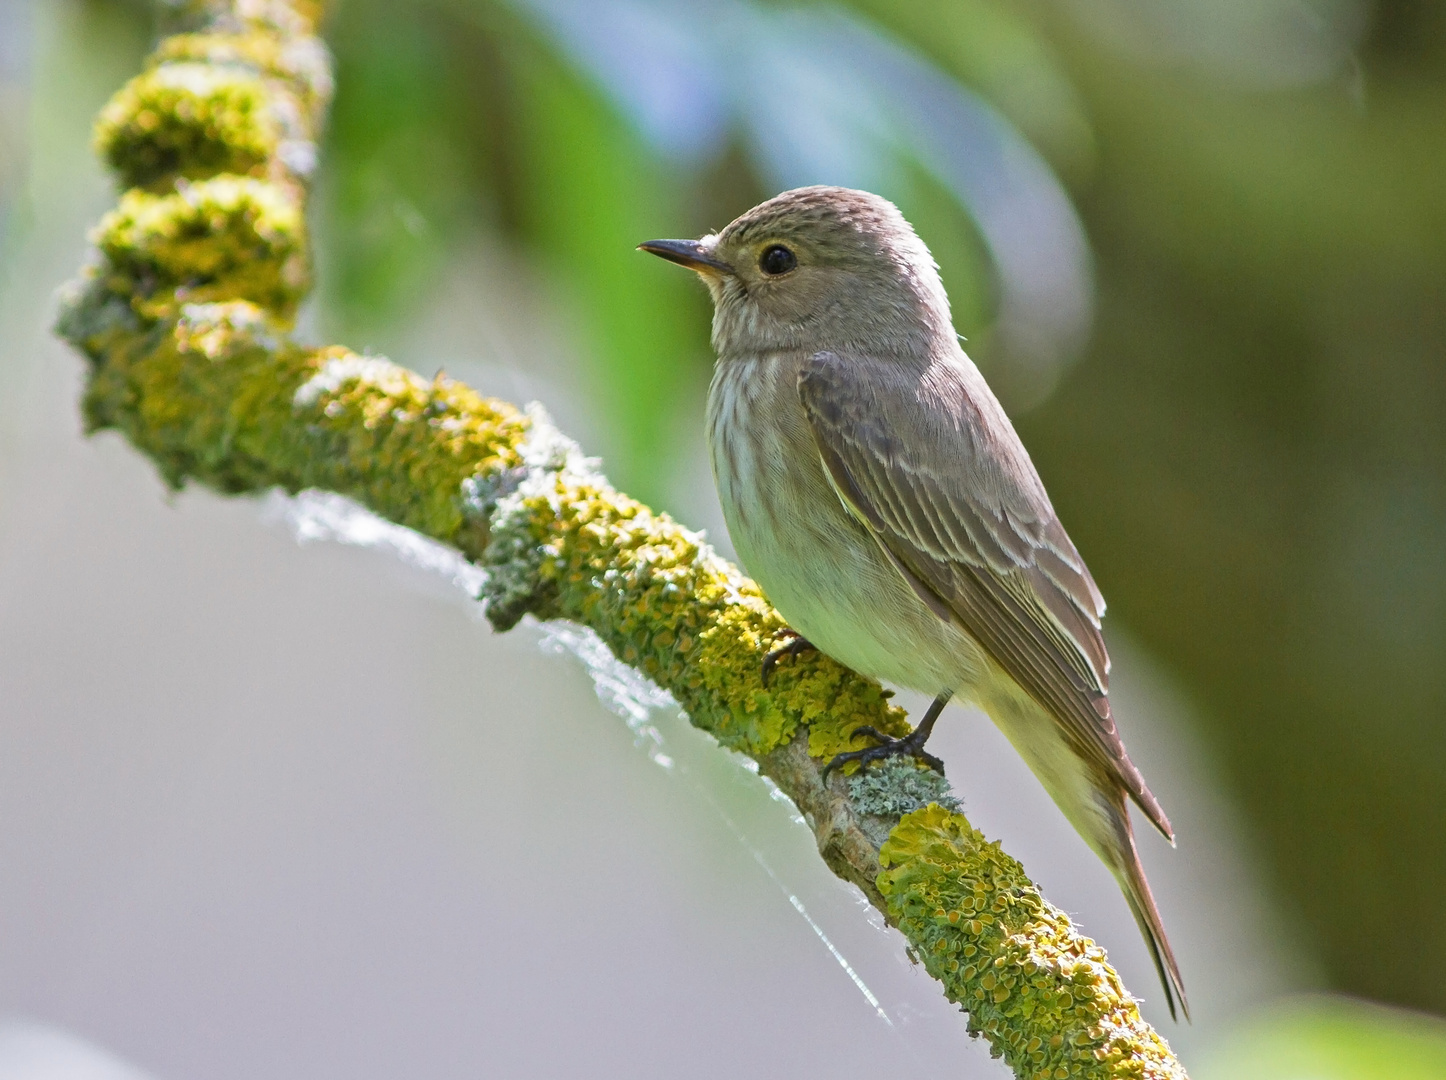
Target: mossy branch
{"x":184,"y":315}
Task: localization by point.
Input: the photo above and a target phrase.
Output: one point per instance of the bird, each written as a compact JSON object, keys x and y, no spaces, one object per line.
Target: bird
{"x":876,"y":490}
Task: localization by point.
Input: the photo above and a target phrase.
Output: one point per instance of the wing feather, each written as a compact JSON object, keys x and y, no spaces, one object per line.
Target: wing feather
{"x":962,"y":514}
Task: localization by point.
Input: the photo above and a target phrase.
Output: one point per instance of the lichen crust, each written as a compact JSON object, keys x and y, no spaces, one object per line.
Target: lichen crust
{"x":899,"y":786}
{"x":566,"y":544}
{"x":300,"y":63}
{"x":192,"y":120}
{"x":184,"y":314}
{"x":1042,"y":994}
{"x":282,"y":18}
{"x":227,"y":238}
{"x":300,"y":418}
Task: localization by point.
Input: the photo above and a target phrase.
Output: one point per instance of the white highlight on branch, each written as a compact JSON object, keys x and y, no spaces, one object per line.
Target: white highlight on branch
{"x":316,"y":516}
{"x":322,"y":515}
{"x":622,"y":690}
{"x":339,"y":371}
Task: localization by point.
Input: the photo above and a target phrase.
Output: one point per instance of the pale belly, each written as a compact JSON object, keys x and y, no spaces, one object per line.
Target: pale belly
{"x":817,"y":564}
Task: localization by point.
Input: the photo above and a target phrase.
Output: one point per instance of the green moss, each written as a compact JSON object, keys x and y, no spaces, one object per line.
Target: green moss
{"x":300,"y":418}
{"x":184,"y":316}
{"x":151,"y":391}
{"x":667,"y":605}
{"x":405,"y":446}
{"x":1041,"y":993}
{"x":96,"y":321}
{"x":229,"y":238}
{"x":191,"y":120}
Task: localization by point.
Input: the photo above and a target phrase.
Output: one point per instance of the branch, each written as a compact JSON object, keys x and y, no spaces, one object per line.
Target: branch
{"x":184,"y":315}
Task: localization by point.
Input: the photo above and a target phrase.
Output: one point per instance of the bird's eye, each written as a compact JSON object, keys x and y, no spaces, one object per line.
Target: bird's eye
{"x":776,"y":259}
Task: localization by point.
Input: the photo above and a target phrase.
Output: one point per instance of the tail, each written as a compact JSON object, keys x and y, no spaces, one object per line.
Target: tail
{"x":1093,"y":800}
{"x":1131,"y":876}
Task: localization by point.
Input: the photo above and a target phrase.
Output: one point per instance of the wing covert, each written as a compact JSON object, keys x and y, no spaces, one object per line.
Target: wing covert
{"x":962,"y":514}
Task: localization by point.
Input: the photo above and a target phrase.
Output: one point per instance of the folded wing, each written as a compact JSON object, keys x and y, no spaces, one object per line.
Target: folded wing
{"x":962,"y":513}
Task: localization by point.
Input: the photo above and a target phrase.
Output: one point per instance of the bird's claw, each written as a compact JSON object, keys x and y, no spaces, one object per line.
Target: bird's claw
{"x":887,"y":747}
{"x":796,"y":644}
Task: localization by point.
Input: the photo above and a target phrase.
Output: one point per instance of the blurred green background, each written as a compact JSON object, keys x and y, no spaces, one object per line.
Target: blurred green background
{"x":1251,"y":449}
{"x":1232,"y":377}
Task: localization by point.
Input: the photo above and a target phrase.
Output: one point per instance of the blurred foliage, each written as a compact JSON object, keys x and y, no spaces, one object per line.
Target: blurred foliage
{"x":399,"y":178}
{"x":593,"y":192}
{"x":451,"y":123}
{"x":569,"y":150}
{"x":1331,"y":1039}
{"x":1252,"y":457}
{"x":998,"y":49}
{"x":1250,"y":451}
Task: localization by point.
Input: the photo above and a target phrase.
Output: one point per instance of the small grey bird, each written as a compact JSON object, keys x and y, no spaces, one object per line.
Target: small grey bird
{"x":875,"y":489}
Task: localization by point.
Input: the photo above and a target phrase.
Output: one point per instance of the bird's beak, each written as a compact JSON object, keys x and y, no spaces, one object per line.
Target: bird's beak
{"x":689,"y":253}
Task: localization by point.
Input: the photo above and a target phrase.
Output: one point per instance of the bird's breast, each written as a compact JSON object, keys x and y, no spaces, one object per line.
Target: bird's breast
{"x":815,"y":561}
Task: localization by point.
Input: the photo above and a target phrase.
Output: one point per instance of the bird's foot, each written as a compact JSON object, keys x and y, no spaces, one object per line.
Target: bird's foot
{"x":911,"y":744}
{"x":796,"y":644}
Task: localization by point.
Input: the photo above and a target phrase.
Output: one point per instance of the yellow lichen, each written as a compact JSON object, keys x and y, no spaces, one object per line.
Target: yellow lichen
{"x":191,"y":120}
{"x":282,"y":18}
{"x":300,"y":62}
{"x":1042,"y":993}
{"x":184,"y":318}
{"x":228,"y":238}
{"x":403,"y":445}
{"x":691,"y":623}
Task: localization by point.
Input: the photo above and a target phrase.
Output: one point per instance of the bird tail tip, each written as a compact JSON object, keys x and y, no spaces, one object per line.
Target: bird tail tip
{"x":1147,"y":917}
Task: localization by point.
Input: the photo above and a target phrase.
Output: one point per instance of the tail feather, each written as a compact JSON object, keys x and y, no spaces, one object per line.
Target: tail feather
{"x":1094,"y":801}
{"x":1131,"y":876}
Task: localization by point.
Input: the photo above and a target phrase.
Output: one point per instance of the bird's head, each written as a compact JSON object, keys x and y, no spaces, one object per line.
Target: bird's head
{"x":818,"y":268}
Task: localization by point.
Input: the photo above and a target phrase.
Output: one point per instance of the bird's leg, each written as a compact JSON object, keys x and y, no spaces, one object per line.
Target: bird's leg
{"x":888,"y":746}
{"x":795,"y":644}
